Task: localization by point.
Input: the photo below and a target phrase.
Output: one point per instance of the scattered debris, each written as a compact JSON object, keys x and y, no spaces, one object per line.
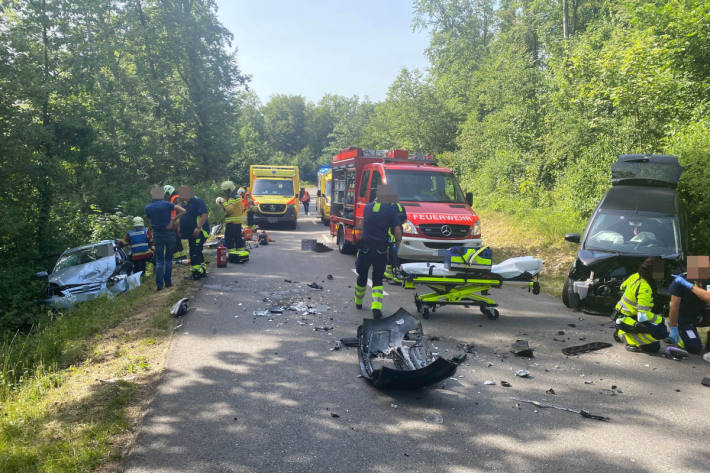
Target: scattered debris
{"x":260,"y":313}
{"x":587,"y":347}
{"x":460,"y":358}
{"x":676,"y":353}
{"x":333,"y":414}
{"x":350,"y":342}
{"x":546,"y":405}
{"x":505,"y":384}
{"x":404,"y":345}
{"x":560,"y":332}
{"x":551,"y":392}
{"x":180,"y":308}
{"x":329,"y":277}
{"x":276,"y":310}
{"x":572,"y":325}
{"x":323,"y":328}
{"x":522,"y":348}
{"x":705,"y":381}
{"x":523,"y":374}
{"x":467,"y":347}
{"x":288,"y":280}
{"x":336,"y":347}
{"x":179,"y":326}
{"x":434,"y":419}
{"x":488,"y":382}
{"x":706,"y":356}
{"x":394,"y":406}
{"x":315,"y":285}
{"x":322,"y":248}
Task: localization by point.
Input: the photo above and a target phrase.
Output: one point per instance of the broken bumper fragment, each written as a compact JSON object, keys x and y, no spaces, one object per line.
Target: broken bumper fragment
{"x":398,"y":340}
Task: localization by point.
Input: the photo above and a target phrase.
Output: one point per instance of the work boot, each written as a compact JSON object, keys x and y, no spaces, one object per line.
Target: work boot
{"x":358,"y":306}
{"x":376,"y":313}
{"x":617,"y":338}
{"x":632,"y":349}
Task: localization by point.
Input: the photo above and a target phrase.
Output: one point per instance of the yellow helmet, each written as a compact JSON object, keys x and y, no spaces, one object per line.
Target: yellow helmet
{"x":138,"y":222}
{"x":228,"y":186}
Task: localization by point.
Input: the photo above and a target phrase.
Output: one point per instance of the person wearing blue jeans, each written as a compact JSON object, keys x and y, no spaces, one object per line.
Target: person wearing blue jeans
{"x":688,"y":303}
{"x":159,"y":213}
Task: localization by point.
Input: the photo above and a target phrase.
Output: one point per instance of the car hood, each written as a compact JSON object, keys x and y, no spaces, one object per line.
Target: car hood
{"x":89,"y":273}
{"x":439,"y":212}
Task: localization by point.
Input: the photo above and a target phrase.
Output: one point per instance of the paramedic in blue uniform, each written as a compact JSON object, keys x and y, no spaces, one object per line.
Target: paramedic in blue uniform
{"x":164,"y":238}
{"x":688,"y":304}
{"x":195,"y":227}
{"x":379,"y":217}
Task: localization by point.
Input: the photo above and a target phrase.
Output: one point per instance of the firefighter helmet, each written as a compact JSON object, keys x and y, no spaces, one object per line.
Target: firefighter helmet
{"x":228,"y":186}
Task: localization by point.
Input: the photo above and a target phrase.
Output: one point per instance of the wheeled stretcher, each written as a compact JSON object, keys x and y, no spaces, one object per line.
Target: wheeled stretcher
{"x":465,"y":278}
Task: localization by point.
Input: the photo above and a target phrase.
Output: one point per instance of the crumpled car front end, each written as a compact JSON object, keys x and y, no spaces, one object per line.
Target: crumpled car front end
{"x":85,"y":273}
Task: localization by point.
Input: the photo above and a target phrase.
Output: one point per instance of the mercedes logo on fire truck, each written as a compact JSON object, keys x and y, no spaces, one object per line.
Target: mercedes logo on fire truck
{"x":446,"y":230}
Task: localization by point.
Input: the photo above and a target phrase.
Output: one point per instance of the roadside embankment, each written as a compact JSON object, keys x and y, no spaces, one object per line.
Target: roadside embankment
{"x":515,"y":235}
{"x":72,"y":390}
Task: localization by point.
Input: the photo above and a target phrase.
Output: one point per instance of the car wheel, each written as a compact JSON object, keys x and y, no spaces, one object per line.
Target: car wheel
{"x":343,"y":246}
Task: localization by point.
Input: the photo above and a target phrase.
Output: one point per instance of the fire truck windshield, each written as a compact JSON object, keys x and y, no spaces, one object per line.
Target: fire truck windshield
{"x":422,"y":186}
{"x":273,"y":187}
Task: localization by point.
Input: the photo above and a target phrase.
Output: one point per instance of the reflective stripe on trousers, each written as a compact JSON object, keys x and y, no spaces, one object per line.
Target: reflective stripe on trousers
{"x":359,"y":293}
{"x":377,"y":297}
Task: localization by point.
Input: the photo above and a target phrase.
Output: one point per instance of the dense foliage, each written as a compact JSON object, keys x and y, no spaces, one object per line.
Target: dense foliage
{"x":528,"y":100}
{"x":532,"y":100}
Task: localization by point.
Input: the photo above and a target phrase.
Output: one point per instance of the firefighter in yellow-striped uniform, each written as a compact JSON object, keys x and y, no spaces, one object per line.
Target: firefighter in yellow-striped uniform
{"x":234,"y":210}
{"x":379,"y":217}
{"x":636,"y":324}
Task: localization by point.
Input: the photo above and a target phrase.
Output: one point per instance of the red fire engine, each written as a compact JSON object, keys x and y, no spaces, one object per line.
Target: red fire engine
{"x":439,"y":216}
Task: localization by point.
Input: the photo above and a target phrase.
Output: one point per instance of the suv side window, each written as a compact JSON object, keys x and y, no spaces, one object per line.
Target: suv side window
{"x":376,"y":181}
{"x":363,"y":184}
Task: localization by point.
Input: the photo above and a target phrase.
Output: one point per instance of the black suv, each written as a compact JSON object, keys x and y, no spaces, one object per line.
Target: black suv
{"x":640,"y":216}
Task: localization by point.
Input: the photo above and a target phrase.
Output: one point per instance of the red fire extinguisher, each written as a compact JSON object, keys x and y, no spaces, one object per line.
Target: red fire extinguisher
{"x":221,"y":256}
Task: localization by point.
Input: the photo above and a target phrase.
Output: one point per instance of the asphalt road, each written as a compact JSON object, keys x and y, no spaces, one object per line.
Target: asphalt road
{"x":259,"y":394}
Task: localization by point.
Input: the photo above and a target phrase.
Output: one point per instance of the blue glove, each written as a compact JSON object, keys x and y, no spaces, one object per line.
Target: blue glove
{"x":674,"y":336}
{"x":680,"y":281}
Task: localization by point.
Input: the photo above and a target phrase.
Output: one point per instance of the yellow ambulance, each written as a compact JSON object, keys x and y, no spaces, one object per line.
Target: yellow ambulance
{"x":275,"y":193}
{"x":325,"y":181}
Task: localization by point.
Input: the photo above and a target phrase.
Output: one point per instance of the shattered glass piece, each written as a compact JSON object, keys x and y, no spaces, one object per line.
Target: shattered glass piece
{"x":434,"y":419}
{"x":260,"y":313}
{"x":522,"y":373}
{"x":505,"y":384}
{"x":488,"y":382}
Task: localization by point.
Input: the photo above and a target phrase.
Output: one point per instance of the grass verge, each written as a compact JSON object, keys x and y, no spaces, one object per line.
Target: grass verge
{"x":536,"y":234}
{"x":71,"y":390}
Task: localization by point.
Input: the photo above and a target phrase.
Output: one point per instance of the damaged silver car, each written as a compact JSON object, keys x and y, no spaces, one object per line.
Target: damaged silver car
{"x":86,"y":272}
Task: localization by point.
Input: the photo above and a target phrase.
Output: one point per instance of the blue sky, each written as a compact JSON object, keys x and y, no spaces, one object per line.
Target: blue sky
{"x":313,"y":47}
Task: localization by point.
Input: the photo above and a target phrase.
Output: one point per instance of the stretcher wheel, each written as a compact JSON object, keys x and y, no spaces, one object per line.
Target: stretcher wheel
{"x":536,"y":288}
{"x":425,"y":312}
{"x":490,"y":312}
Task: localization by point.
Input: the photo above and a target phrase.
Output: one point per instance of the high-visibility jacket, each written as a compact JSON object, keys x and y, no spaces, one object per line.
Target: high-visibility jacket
{"x":637,"y":299}
{"x":173,"y":213}
{"x":234,"y":209}
{"x":140,"y":241}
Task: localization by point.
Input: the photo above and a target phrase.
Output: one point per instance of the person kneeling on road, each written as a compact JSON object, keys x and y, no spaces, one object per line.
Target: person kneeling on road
{"x":379,"y":218}
{"x":636,"y":324}
{"x":688,"y":303}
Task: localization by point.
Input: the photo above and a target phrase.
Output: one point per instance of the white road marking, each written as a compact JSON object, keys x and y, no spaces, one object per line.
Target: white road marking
{"x":369,"y":283}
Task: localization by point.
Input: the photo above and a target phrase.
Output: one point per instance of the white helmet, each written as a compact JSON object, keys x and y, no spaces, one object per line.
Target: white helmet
{"x":241,"y":191}
{"x":168,"y":189}
{"x":219,"y":200}
{"x":138,"y":222}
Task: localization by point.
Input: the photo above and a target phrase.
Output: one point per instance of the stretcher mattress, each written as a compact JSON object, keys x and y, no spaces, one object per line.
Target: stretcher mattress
{"x":509,"y":269}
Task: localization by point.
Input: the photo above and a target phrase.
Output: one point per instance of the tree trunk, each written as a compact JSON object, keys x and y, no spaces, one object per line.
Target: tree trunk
{"x":45,"y":196}
{"x":565,"y":19}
